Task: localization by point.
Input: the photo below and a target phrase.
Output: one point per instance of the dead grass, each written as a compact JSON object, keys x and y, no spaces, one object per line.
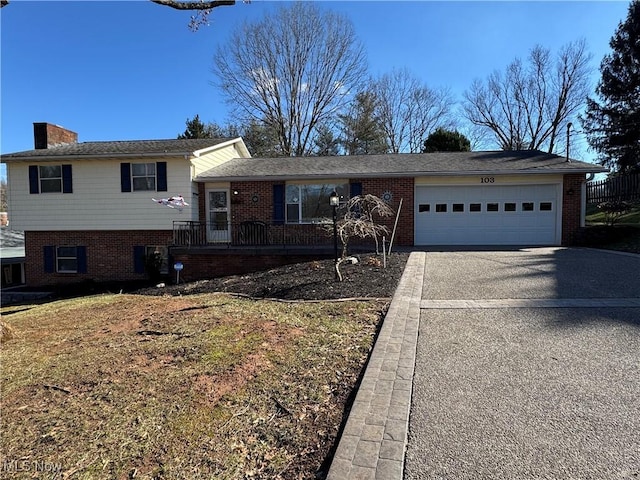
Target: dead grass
{"x":206,"y":386}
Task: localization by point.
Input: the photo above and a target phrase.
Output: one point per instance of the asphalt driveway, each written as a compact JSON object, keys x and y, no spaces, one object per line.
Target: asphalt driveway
{"x":527,"y":366}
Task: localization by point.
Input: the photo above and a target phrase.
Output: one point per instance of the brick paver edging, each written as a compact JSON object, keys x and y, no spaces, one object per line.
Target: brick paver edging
{"x":374,"y":439}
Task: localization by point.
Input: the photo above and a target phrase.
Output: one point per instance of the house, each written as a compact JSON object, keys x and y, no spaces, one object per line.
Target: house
{"x":86,"y":208}
{"x":86,"y":211}
{"x":12,"y":257}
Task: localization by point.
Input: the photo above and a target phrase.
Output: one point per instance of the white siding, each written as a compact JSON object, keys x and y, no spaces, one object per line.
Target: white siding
{"x":97,"y":202}
{"x":213,"y":159}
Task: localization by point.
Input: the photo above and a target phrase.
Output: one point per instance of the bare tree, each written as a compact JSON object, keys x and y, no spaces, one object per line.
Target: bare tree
{"x":293,"y":70}
{"x":409,"y":110}
{"x":360,"y":221}
{"x":528,"y":106}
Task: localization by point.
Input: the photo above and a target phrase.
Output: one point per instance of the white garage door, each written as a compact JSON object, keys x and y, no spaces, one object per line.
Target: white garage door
{"x":487,"y":215}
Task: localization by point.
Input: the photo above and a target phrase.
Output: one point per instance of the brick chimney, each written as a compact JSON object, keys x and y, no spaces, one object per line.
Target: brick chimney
{"x":46,"y":135}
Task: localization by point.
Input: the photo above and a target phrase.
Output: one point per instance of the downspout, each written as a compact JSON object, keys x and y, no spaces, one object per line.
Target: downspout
{"x":583,"y":198}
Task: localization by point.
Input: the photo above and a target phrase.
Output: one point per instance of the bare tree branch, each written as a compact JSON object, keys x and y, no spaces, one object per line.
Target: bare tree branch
{"x":198,"y":5}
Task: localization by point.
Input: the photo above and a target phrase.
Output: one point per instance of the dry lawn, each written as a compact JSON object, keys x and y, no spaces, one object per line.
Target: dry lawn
{"x":205,"y":386}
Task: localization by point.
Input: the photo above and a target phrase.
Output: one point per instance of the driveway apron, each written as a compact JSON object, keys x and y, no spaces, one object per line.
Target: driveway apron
{"x":527,"y":366}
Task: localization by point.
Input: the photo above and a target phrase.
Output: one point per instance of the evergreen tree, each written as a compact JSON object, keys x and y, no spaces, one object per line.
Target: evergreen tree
{"x":442,"y":140}
{"x":613,"y":123}
{"x":362,"y":132}
{"x":326,"y":143}
{"x":197,"y":129}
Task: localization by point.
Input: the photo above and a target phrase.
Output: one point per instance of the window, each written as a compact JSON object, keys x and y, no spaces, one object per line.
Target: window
{"x":143,"y":176}
{"x":424,"y":207}
{"x":527,"y":206}
{"x":50,"y":179}
{"x":474,"y":207}
{"x":492,"y":207}
{"x":309,"y":203}
{"x":158,"y":256}
{"x":457,"y":207}
{"x":65,"y":259}
{"x":509,"y":207}
{"x":441,"y":207}
{"x":545,"y":206}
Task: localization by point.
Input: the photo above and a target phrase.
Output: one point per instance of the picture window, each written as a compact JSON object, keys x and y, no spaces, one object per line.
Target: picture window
{"x":309,"y":203}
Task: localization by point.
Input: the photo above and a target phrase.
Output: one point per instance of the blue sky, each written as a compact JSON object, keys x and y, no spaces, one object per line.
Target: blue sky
{"x":127,"y":70}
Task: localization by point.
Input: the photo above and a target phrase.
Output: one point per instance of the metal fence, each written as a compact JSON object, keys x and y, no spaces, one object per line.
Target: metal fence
{"x":619,"y":188}
{"x":250,"y":233}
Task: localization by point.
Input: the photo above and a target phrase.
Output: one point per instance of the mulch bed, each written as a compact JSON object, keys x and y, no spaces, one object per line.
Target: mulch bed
{"x":304,"y":281}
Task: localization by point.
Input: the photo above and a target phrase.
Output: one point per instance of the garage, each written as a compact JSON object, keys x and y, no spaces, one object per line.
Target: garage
{"x":489,"y":214}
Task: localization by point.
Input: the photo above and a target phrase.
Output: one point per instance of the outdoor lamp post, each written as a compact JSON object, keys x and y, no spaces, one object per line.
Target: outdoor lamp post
{"x":334,"y":201}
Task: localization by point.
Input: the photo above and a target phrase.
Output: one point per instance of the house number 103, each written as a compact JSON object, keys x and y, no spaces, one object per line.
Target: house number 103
{"x":487,"y":180}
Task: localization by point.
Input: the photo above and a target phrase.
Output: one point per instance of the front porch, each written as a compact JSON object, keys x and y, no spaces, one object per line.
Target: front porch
{"x":252,"y":234}
{"x":221,"y":249}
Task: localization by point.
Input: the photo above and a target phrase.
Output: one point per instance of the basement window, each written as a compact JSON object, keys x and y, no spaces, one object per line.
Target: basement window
{"x":66,"y":260}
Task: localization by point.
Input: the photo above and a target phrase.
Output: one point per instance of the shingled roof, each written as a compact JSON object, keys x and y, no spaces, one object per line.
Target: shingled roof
{"x":173,"y":147}
{"x":398,"y":165}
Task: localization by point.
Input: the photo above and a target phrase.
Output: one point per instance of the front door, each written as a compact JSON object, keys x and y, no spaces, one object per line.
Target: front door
{"x":218,"y":215}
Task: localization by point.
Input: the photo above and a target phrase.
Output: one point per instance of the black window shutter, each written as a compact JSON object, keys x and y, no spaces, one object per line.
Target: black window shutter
{"x":138,"y":259}
{"x":278,"y":204}
{"x":34,"y":183}
{"x":49,"y":259}
{"x":81,"y":255}
{"x":67,"y":180}
{"x":161,"y":170}
{"x":355,"y":189}
{"x":125,"y":177}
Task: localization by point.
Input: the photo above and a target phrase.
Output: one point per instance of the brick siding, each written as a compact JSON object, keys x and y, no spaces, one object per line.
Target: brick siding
{"x":201,"y":265}
{"x":109,"y":254}
{"x":254,"y":201}
{"x":571,"y":206}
